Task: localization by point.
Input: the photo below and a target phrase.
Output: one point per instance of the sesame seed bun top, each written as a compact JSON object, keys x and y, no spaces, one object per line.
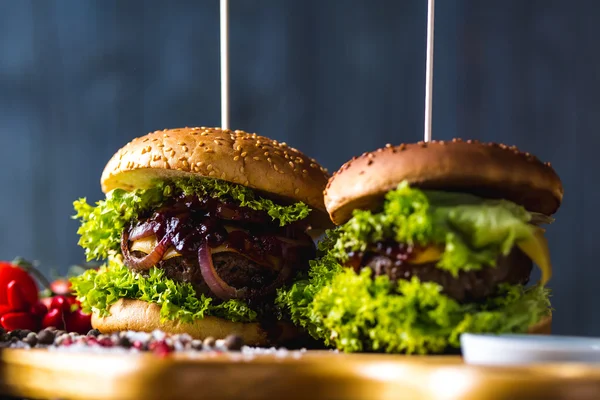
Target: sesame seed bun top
{"x":273,"y":169}
{"x":489,"y":170}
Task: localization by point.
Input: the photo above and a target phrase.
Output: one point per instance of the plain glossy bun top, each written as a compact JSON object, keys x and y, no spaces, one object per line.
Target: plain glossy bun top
{"x":486,"y":169}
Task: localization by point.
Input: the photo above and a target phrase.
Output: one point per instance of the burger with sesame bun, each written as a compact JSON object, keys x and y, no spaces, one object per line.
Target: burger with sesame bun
{"x":200,"y":227}
{"x":434,"y":240}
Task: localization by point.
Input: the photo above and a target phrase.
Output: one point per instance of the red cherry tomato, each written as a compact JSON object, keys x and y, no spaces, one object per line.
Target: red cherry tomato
{"x":79,"y":322}
{"x":39,"y":310}
{"x":55,"y":318}
{"x":9,"y":273}
{"x":61,"y":286}
{"x":60,"y":303}
{"x":19,"y":320}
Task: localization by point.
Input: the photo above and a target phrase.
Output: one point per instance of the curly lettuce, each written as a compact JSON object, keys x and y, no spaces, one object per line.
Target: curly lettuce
{"x":98,"y":290}
{"x":356,"y":312}
{"x":472,"y":231}
{"x":102,"y":224}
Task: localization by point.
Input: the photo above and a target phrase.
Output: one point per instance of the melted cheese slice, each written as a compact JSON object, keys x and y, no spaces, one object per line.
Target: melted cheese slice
{"x":536,"y":248}
{"x":425,"y":255}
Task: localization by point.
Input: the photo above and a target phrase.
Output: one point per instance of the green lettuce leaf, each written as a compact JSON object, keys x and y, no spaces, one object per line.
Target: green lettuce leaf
{"x":472,"y":231}
{"x":97,"y":290}
{"x":355,"y":312}
{"x":102,"y":225}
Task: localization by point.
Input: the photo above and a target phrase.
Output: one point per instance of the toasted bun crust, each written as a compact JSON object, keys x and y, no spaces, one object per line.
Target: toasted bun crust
{"x":255,"y":161}
{"x":544,"y":327}
{"x":141,"y":316}
{"x":485,"y":169}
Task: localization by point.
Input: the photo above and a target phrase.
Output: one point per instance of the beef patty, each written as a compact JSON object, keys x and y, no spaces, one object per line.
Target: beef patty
{"x":235,"y":269}
{"x":468,"y":286}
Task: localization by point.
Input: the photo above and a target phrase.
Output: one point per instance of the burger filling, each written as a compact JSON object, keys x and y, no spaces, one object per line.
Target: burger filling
{"x":428,"y":266}
{"x":398,"y":262}
{"x":222,"y":249}
{"x":195,"y":247}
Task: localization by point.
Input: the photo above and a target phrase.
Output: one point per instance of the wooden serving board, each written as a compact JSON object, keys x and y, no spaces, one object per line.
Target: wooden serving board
{"x":311,"y":375}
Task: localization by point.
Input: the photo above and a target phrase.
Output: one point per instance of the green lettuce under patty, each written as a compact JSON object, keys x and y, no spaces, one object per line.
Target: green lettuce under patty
{"x":356,"y":312}
{"x":102,"y":225}
{"x":98,"y":290}
{"x":359,"y":312}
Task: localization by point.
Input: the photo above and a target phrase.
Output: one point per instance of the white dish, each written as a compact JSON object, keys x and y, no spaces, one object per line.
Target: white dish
{"x":483,"y":349}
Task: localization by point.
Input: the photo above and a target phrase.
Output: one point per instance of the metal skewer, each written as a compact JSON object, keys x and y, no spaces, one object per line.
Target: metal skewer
{"x":429,"y":70}
{"x":224,"y":64}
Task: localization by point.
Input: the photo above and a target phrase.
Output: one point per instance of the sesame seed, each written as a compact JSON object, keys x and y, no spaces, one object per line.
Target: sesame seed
{"x":209,"y":167}
{"x":208,"y":150}
{"x":185,"y":164}
{"x":298,"y":159}
{"x":269,"y":159}
{"x":236,"y":158}
{"x":275,"y":167}
{"x":185,"y":149}
{"x":223,"y":175}
{"x":304,"y":171}
{"x":172,"y":153}
{"x":256,"y":158}
{"x":296,"y":191}
{"x":182,"y":158}
{"x":244,"y":154}
{"x":246,"y":183}
{"x":283,"y":144}
{"x":165,"y":159}
{"x":204,"y":134}
{"x":242,"y":169}
{"x":160,"y":145}
{"x":217,"y":142}
{"x":167,"y":149}
{"x":155,"y":140}
{"x":387,"y":145}
{"x":165,"y":135}
{"x":211,"y":173}
{"x":266,"y":154}
{"x":291,"y":164}
{"x":239,"y":148}
{"x":313,"y":165}
{"x":145,"y":140}
{"x":156,"y":157}
{"x":181,"y":143}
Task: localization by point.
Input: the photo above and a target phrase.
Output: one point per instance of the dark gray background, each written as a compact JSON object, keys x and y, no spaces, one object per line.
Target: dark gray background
{"x":80,"y":78}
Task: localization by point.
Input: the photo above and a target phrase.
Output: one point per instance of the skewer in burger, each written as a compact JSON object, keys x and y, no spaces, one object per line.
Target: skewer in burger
{"x":200,"y":227}
{"x":434,"y":239}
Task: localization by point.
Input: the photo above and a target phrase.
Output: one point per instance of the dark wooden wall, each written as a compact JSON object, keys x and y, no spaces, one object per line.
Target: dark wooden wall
{"x":78,"y":79}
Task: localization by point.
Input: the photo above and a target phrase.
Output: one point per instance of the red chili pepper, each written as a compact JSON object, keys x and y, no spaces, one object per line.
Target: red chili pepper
{"x":19,"y":320}
{"x":15,"y":297}
{"x":27,"y":285}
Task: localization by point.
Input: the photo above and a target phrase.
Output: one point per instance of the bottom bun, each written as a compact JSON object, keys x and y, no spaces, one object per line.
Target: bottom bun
{"x":543,"y":327}
{"x":140,"y":316}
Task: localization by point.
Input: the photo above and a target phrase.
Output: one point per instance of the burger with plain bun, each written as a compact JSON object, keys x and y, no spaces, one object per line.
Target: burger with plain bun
{"x":200,"y":227}
{"x":434,"y":240}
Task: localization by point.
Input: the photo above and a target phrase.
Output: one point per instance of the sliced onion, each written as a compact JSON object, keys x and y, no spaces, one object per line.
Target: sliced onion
{"x":217,"y":285}
{"x":142,"y":230}
{"x":146,"y":262}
